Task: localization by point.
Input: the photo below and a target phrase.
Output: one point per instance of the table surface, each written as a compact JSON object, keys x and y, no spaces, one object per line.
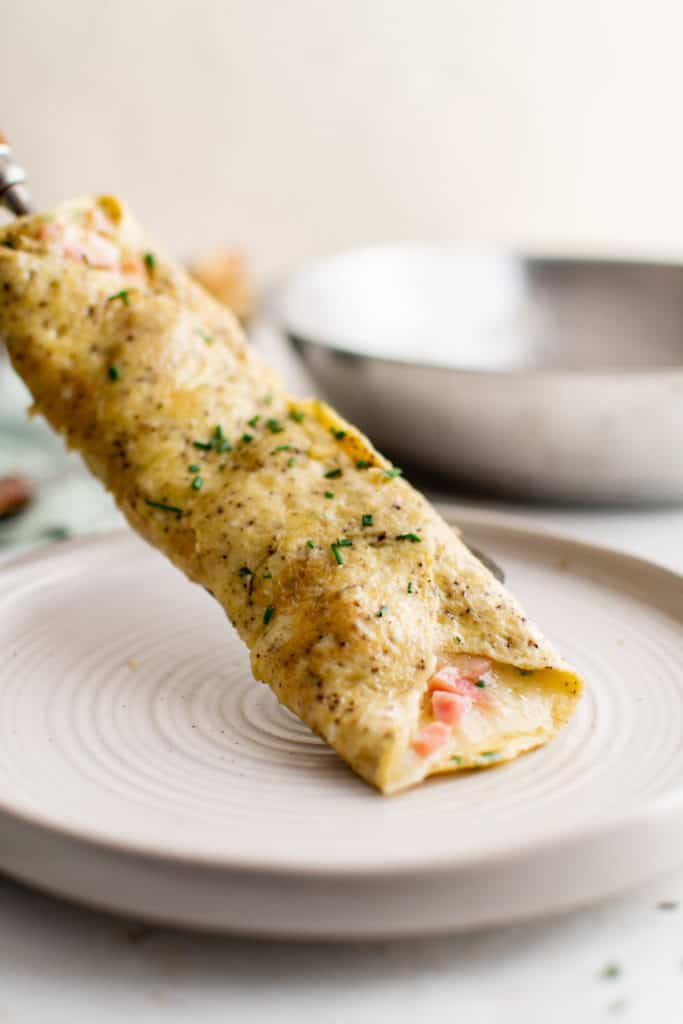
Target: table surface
{"x":622,"y":959}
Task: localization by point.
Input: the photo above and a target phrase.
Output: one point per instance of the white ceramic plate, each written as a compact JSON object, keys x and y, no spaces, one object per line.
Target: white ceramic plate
{"x":142,"y":770}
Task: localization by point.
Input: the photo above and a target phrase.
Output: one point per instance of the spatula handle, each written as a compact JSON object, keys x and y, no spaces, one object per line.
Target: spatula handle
{"x":13,"y":191}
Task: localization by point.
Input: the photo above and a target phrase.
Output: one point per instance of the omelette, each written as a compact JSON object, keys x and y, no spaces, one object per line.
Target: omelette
{"x":363,"y":611}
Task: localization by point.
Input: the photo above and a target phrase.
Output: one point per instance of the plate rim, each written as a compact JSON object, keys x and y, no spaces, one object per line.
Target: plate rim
{"x":640,"y":815}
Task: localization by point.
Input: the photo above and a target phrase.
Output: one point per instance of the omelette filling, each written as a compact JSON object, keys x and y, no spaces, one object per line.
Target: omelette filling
{"x":472,"y":707}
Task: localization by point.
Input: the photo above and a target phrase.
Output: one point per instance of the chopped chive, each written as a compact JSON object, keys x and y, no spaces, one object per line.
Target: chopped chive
{"x":291,"y":461}
{"x":481,"y":684}
{"x":247,"y":438}
{"x":274,"y":426}
{"x":123,"y":295}
{"x":409,"y":536}
{"x":344,"y":543}
{"x":382,"y":611}
{"x":366,"y":519}
{"x":362,"y":464}
{"x":268,"y":614}
{"x":266,"y":399}
{"x":254,"y":420}
{"x":410,"y":587}
{"x":297,"y":415}
{"x":246,"y":571}
{"x":393,"y":472}
{"x":333,"y":473}
{"x":337,"y":554}
{"x":197,"y":483}
{"x":164,"y":507}
{"x":329,"y":494}
{"x":9,"y":244}
{"x":338,"y":435}
{"x":206,"y":446}
{"x":456,"y":759}
{"x":150,"y":261}
{"x":219,"y":441}
{"x":267,"y":576}
{"x":204,"y":335}
{"x":194,"y":468}
{"x":611,"y":971}
{"x":114,"y":373}
{"x":309,"y":543}
{"x":281,"y":448}
{"x":489,"y":753}
{"x":525,"y":671}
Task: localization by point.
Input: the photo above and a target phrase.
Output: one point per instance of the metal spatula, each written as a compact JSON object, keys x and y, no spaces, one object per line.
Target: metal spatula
{"x":13,"y":191}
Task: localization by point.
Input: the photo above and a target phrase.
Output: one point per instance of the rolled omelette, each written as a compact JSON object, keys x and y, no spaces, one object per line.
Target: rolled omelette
{"x":362,"y":609}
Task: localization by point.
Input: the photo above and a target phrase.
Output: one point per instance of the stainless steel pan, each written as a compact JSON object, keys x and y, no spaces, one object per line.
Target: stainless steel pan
{"x":544,"y":378}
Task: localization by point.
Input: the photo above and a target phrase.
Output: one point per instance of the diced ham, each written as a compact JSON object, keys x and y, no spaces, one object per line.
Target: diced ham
{"x":450,"y":707}
{"x":457,"y":679}
{"x":471,"y":667}
{"x":430,"y":738}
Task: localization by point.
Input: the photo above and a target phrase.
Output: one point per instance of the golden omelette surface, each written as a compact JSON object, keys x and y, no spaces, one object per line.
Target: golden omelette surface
{"x":346,"y":585}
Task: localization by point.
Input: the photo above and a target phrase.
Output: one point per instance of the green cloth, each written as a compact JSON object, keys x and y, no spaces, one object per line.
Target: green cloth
{"x":69,"y":501}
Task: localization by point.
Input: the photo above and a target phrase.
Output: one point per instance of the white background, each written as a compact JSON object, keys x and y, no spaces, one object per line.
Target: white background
{"x":295,"y":127}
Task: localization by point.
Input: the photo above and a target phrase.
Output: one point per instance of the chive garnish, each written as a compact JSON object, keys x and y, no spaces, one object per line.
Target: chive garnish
{"x":366,"y":519}
{"x":481,"y":684}
{"x":611,"y":971}
{"x":204,"y":335}
{"x":456,"y":759}
{"x":309,"y":543}
{"x":291,"y":461}
{"x":247,"y":438}
{"x":297,"y":415}
{"x":525,"y":671}
{"x":253,"y":421}
{"x":267,"y":576}
{"x":194,"y":468}
{"x":410,"y":587}
{"x":246,"y":571}
{"x":164,"y":507}
{"x":197,"y":483}
{"x":382,"y":610}
{"x":409,"y":536}
{"x":329,"y":494}
{"x":338,"y":435}
{"x":266,"y":399}
{"x":393,"y":472}
{"x":337,"y":554}
{"x":222,"y":446}
{"x":281,"y":448}
{"x":344,"y":543}
{"x":362,"y":464}
{"x":9,"y":244}
{"x":268,"y":614}
{"x":333,"y":473}
{"x":489,"y":753}
{"x":274,"y":426}
{"x":114,"y":373}
{"x":150,"y":261}
{"x":123,"y":295}
{"x":218,"y":443}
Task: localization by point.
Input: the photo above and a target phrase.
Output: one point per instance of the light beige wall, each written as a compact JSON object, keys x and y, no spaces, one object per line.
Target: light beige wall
{"x":300,"y":126}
